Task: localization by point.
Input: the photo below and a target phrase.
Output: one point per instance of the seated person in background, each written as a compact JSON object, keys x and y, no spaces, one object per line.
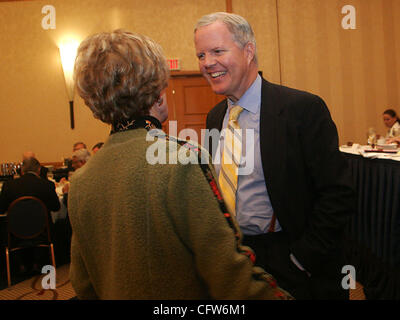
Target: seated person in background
{"x":97,"y":147}
{"x":43,"y":170}
{"x":78,"y":145}
{"x":392,"y":122}
{"x":79,"y":158}
{"x":30,"y":184}
{"x":170,"y":235}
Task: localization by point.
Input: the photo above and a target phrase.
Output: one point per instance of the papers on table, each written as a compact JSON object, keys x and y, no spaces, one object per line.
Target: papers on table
{"x":369,"y":152}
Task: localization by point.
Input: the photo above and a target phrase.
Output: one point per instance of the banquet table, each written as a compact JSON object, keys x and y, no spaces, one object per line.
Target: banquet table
{"x":375,"y":228}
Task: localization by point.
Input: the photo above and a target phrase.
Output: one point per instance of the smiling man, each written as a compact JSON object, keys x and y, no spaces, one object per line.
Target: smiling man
{"x":293,"y":207}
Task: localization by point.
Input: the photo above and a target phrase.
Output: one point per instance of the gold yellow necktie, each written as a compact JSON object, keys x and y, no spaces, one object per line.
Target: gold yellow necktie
{"x":231,"y":156}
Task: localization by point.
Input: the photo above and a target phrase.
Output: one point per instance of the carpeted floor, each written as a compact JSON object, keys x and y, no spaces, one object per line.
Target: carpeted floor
{"x":31,"y":289}
{"x":357,"y":293}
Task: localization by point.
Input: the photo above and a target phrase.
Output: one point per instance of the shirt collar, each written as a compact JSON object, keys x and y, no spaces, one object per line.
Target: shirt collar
{"x":251,"y":100}
{"x":32,"y":172}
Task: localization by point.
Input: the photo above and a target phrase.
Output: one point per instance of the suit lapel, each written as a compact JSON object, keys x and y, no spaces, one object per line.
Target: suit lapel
{"x":215,"y":120}
{"x":273,"y":143}
{"x":218,"y":117}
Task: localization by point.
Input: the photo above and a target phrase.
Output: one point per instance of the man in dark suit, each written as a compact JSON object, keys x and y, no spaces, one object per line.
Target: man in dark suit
{"x":43,"y":170}
{"x":293,"y":206}
{"x":29,"y":184}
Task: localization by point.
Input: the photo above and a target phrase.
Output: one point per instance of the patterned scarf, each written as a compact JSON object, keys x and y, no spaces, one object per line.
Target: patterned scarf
{"x":147,"y":122}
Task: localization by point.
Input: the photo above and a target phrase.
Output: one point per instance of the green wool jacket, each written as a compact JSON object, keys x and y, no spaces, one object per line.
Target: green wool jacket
{"x":148,"y":230}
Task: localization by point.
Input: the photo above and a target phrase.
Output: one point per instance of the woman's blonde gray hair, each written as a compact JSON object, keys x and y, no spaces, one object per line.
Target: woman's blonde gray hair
{"x":120,"y":75}
{"x":237,"y":25}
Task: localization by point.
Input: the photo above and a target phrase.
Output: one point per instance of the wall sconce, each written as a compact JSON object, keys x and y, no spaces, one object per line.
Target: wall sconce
{"x":68,"y":54}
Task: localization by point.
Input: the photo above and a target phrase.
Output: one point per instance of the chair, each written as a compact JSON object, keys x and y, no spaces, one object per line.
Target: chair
{"x":27,"y":219}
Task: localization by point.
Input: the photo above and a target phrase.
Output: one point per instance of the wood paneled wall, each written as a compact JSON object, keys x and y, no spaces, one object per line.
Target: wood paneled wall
{"x":300,"y":43}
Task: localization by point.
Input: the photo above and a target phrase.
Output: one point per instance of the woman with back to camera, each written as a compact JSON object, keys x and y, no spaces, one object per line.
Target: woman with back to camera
{"x":392,"y":122}
{"x":143,"y":230}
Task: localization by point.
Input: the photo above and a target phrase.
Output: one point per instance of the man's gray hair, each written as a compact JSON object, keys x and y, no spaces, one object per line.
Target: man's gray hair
{"x":81,"y":155}
{"x":237,"y":25}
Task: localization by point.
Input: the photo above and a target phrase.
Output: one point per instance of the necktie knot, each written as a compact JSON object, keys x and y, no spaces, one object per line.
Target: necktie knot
{"x":235,"y":112}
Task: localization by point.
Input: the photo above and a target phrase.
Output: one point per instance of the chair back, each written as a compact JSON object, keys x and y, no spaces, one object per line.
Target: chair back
{"x":27,"y":217}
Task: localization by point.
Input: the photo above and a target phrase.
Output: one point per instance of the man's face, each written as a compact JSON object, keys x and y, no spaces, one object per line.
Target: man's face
{"x":223,"y":63}
{"x":76,"y":164}
{"x":78,"y":147}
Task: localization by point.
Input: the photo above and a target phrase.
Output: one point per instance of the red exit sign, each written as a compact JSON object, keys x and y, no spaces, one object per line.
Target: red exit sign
{"x":174,"y":64}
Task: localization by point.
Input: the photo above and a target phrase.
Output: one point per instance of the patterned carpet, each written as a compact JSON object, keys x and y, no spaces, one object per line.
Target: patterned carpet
{"x":31,"y":289}
{"x":357,"y":293}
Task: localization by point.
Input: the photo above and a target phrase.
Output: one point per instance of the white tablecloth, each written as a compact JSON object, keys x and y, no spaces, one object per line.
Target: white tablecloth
{"x":360,"y":150}
{"x":60,"y":214}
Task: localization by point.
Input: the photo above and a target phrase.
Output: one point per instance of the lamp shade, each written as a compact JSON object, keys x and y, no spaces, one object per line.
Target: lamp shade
{"x":68,"y":54}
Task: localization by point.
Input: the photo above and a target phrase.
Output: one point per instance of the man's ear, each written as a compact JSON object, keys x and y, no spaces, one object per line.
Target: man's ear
{"x":250,"y":50}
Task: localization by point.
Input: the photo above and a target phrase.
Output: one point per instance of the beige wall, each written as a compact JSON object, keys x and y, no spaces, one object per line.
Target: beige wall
{"x":262,"y":16}
{"x":357,"y":72}
{"x":33,"y":100}
{"x":300,"y":43}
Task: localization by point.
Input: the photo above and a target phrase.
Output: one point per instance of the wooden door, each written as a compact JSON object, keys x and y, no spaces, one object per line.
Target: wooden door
{"x":189,"y":98}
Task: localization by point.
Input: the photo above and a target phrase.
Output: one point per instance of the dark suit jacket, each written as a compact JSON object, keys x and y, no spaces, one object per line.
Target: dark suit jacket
{"x":307,"y":178}
{"x":29,"y":185}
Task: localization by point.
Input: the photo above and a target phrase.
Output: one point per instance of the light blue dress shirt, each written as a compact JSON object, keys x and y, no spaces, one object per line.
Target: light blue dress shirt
{"x":253,"y":206}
